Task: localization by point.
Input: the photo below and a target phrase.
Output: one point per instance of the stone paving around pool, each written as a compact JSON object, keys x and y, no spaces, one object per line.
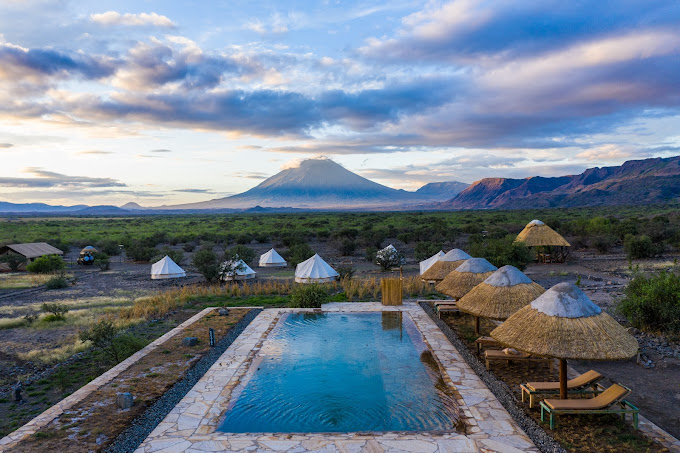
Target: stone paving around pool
{"x":191,"y":425}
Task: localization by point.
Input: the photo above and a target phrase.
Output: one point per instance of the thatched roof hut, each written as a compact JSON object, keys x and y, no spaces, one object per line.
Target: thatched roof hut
{"x":501,"y":294}
{"x":564,"y":323}
{"x":538,"y":234}
{"x":465,"y":277}
{"x":446,"y":264}
{"x":425,"y":264}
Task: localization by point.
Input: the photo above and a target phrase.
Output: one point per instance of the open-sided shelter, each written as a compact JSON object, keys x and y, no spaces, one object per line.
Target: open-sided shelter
{"x":426,"y":264}
{"x":29,"y":251}
{"x":315,"y":270}
{"x":272,"y":259}
{"x":465,"y":277}
{"x":564,"y":323}
{"x":166,"y":268}
{"x":446,"y":264}
{"x":500,"y":295}
{"x":547,"y":243}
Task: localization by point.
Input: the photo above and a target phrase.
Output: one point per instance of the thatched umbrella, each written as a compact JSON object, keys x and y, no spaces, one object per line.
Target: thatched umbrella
{"x":500,"y":295}
{"x":447,"y":263}
{"x":564,"y":323}
{"x":538,"y":234}
{"x":465,"y":277}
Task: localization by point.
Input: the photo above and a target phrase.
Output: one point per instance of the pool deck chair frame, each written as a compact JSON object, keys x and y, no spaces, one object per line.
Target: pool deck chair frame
{"x":584,"y":383}
{"x":446,"y":306}
{"x":604,"y":403}
{"x":491,"y":355}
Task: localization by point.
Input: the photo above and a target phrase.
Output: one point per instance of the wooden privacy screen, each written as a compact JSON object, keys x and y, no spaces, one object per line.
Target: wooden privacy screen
{"x":392,"y":290}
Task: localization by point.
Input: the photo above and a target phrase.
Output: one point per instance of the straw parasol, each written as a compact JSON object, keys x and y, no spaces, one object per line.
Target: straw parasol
{"x":538,"y":234}
{"x":446,"y":264}
{"x":465,"y":277}
{"x":564,"y":323}
{"x":499,"y":296}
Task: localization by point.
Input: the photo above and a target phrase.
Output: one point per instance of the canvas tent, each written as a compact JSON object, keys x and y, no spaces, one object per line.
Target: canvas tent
{"x":426,"y":264}
{"x":272,"y":259}
{"x":241,"y":272}
{"x":166,"y":268}
{"x":445,"y":265}
{"x":550,"y":246}
{"x":314,"y":270}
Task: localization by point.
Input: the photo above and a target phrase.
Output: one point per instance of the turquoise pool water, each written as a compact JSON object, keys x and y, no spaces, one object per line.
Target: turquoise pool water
{"x":334,"y":372}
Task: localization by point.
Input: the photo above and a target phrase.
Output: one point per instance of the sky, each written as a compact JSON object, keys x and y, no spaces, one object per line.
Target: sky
{"x":166,"y":102}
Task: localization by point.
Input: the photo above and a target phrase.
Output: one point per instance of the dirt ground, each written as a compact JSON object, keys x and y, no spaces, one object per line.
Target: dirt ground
{"x":655,"y":383}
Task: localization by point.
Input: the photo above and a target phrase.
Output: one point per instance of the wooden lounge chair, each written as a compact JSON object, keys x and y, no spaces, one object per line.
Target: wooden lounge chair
{"x":585,"y":383}
{"x":491,"y":355}
{"x":601,"y":404}
{"x":446,"y":306}
{"x":485,"y":341}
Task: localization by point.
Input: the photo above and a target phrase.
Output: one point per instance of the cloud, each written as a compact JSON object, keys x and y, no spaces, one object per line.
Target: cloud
{"x":134,"y":20}
{"x":95,"y":152}
{"x":194,"y":191}
{"x":251,"y":175}
{"x":161,"y":151}
{"x":6,"y":145}
{"x":48,"y":179}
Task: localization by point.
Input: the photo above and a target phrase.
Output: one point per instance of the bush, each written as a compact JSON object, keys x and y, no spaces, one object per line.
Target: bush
{"x":138,"y":251}
{"x":176,"y":255}
{"x":298,"y":253}
{"x":308,"y":296}
{"x":117,"y":347}
{"x":109,"y":246}
{"x":242,"y":252}
{"x":57,"y":310}
{"x":389,"y":258}
{"x":347,"y":247}
{"x":102,"y":260}
{"x":345,"y":272}
{"x":46,"y":265}
{"x":637,"y":247}
{"x":57,"y":282}
{"x":501,"y":252}
{"x":653,"y":302}
{"x":208,"y":264}
{"x":370,"y":254}
{"x":13,"y":260}
{"x":603,"y":243}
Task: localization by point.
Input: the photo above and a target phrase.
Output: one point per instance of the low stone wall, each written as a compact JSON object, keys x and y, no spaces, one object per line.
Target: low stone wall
{"x":141,"y":427}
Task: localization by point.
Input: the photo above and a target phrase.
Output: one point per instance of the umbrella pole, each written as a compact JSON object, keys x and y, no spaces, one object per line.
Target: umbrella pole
{"x":476,"y":325}
{"x":563,"y":379}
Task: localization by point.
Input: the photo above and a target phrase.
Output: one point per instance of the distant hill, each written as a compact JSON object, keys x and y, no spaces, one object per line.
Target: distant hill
{"x":444,"y":190}
{"x":319,"y":184}
{"x":7,"y":207}
{"x":132,"y":206}
{"x":645,"y":181}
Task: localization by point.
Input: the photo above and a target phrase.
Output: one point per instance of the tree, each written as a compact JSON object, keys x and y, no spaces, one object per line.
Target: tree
{"x":46,"y":264}
{"x":208,"y":264}
{"x":298,"y":253}
{"x":388,"y":258}
{"x":102,"y":260}
{"x":240,"y":252}
{"x":176,"y":255}
{"x":501,"y":252}
{"x":637,"y":247}
{"x":13,"y":260}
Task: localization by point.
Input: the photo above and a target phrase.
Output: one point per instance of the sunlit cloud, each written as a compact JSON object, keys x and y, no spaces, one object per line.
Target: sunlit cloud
{"x":129,"y":19}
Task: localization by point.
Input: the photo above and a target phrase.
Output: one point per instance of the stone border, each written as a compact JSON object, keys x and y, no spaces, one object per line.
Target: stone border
{"x":191,"y":425}
{"x":142,"y":426}
{"x":13,"y":438}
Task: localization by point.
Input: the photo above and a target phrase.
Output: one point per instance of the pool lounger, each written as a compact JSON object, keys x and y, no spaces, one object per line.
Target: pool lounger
{"x":604,"y":403}
{"x":584,"y":383}
{"x":491,"y":355}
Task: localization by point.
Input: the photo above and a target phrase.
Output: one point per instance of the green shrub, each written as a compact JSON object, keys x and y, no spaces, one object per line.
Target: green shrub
{"x":242,"y":252}
{"x":653,"y":302}
{"x":102,"y":260}
{"x":345,"y":272}
{"x":109,"y":246}
{"x":57,"y":282}
{"x":139,"y":251}
{"x":638,"y":247}
{"x":176,"y":255}
{"x":298,"y":253}
{"x":425,"y":249}
{"x":208,"y":264}
{"x":46,"y":265}
{"x":103,"y":336}
{"x":501,"y":252}
{"x":308,"y":296}
{"x":370,"y":254}
{"x":347,"y":247}
{"x":57,"y":310}
{"x":603,"y":243}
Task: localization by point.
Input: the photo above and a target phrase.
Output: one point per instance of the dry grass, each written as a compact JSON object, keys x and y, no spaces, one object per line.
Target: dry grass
{"x":55,"y":354}
{"x":23,"y":280}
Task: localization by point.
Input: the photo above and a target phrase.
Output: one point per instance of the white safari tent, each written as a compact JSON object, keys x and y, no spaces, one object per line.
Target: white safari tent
{"x":244,"y":272}
{"x":314,"y":270}
{"x":272,"y":259}
{"x":426,"y":264}
{"x":166,"y":268}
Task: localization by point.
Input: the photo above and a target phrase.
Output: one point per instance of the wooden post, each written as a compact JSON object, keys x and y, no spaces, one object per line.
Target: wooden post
{"x":563,"y":379}
{"x":476,"y":325}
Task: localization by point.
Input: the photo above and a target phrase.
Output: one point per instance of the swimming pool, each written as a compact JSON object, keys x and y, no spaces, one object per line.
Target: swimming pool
{"x":342,"y":372}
